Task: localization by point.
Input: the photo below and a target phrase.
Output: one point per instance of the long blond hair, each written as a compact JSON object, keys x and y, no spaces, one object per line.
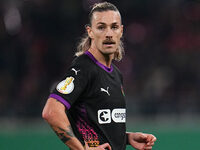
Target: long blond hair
{"x":85,"y":41}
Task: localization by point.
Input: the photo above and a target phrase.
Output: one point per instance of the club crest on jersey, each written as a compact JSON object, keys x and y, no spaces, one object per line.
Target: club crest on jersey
{"x":66,"y":86}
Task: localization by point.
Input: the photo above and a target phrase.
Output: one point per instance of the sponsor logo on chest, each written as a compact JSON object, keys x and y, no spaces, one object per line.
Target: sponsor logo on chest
{"x":117,"y":115}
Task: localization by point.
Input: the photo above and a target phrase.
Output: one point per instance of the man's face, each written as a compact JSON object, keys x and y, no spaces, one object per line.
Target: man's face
{"x":105,"y":31}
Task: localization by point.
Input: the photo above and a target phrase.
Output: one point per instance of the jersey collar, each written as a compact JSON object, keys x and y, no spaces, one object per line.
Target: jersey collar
{"x":107,"y":69}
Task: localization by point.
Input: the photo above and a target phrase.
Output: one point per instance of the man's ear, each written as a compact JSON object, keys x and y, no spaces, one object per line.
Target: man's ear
{"x":89,"y":31}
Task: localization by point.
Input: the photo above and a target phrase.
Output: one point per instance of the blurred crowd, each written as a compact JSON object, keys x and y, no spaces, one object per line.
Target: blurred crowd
{"x":161,"y":67}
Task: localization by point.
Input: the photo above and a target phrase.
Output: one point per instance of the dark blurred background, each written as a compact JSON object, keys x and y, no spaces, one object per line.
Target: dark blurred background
{"x":161,"y":68}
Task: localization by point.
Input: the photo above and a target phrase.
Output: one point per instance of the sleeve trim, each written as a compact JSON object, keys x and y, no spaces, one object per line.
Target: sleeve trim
{"x":60,"y":99}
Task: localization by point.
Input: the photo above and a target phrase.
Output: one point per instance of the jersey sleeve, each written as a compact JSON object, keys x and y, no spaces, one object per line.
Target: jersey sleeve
{"x":71,"y":86}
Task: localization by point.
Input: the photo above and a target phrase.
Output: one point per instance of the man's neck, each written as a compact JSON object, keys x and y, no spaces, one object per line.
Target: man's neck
{"x":106,"y":60}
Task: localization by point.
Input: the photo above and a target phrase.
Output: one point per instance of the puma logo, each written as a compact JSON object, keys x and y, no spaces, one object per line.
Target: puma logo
{"x":106,"y":91}
{"x":75,"y":71}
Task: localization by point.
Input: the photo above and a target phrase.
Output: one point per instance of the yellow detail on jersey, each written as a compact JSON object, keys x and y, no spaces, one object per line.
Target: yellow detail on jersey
{"x":93,"y":143}
{"x":68,"y":80}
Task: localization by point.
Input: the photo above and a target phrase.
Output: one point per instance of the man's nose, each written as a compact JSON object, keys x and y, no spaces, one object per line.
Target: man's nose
{"x":109,"y":33}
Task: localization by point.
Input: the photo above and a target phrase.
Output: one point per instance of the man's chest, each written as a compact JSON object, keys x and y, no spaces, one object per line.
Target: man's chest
{"x":106,"y":89}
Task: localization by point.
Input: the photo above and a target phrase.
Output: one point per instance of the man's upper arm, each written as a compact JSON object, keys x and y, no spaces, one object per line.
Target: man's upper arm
{"x":53,"y":108}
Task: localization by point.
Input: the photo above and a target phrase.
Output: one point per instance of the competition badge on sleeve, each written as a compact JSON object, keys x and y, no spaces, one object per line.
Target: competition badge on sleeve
{"x":66,"y":86}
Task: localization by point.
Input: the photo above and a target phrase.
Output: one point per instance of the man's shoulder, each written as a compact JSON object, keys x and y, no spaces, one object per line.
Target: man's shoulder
{"x":84,"y":62}
{"x":81,"y":60}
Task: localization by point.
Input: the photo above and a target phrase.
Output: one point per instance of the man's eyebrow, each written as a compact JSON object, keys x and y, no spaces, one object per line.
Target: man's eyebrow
{"x":102,"y":23}
{"x":115,"y":23}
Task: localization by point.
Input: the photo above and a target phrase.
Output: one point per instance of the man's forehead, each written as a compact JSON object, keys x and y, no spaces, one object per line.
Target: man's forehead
{"x":106,"y":17}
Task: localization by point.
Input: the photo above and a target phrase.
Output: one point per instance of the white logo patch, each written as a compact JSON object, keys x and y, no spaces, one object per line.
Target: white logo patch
{"x":66,"y":86}
{"x":118,"y":115}
{"x":75,"y":71}
{"x":104,"y":116}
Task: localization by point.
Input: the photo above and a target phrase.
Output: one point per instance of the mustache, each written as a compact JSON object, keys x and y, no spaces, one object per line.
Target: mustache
{"x":108,"y":41}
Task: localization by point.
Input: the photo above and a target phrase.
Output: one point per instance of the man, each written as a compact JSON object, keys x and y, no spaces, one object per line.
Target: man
{"x":87,"y":108}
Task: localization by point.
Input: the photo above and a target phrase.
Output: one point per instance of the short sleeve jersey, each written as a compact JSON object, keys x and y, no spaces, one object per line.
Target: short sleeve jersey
{"x":94,"y":98}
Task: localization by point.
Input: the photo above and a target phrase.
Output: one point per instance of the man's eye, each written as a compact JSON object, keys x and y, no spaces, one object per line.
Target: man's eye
{"x":115,"y":27}
{"x":100,"y":27}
